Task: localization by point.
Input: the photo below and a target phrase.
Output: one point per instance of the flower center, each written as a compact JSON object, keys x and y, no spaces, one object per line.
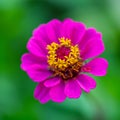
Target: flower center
{"x":62,"y":52}
{"x":64,"y":59}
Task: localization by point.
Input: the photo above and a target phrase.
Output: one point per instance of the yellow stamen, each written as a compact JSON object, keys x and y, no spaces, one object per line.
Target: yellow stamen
{"x":71,"y":61}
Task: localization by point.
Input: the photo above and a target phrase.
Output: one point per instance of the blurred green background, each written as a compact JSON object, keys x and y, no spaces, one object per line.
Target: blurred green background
{"x":17,"y":20}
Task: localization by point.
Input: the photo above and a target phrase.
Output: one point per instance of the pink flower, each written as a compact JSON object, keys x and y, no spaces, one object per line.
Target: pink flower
{"x":57,"y":59}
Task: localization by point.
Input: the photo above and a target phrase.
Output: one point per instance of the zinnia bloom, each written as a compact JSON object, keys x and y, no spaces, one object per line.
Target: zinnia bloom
{"x":60,"y":57}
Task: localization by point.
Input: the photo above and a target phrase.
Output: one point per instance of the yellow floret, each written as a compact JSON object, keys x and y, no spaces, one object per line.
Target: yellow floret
{"x":69,"y":60}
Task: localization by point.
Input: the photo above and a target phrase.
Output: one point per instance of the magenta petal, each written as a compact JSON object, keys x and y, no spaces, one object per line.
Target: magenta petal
{"x":89,"y":34}
{"x":57,"y":93}
{"x":53,"y":29}
{"x":72,"y":30}
{"x":37,"y":47}
{"x":67,"y":25}
{"x":91,"y":44}
{"x":29,"y":59}
{"x":41,"y":93}
{"x":97,"y":66}
{"x":94,"y":47}
{"x":40,"y":35}
{"x":52,"y":82}
{"x":38,"y":73}
{"x":72,"y":89}
{"x":78,"y":32}
{"x":86,"y":82}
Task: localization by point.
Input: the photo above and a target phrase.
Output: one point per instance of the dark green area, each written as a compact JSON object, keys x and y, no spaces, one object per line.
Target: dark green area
{"x":17,"y":20}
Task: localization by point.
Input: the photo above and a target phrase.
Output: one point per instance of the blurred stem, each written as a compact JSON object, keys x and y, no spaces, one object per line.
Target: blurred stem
{"x":100,"y":113}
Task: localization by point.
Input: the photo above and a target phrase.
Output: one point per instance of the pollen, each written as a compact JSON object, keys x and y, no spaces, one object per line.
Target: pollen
{"x":64,"y":58}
